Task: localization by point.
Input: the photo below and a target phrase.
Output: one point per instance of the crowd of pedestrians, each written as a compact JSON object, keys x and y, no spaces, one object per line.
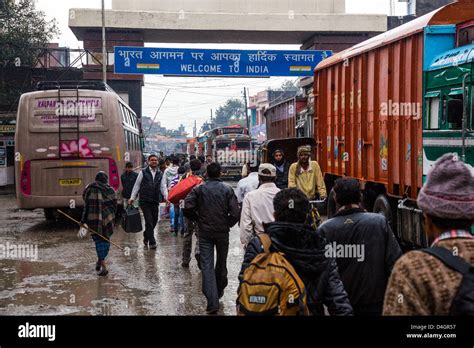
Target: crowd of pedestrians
{"x":351,"y":264}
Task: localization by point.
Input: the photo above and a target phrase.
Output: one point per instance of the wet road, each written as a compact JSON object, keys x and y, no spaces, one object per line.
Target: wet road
{"x":61,"y":280}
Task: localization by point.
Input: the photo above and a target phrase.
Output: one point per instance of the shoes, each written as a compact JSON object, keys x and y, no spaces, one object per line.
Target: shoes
{"x":97,"y":266}
{"x":172,"y":230}
{"x":212,"y":311}
{"x":198,"y":260}
{"x":153,"y":246}
{"x":145,"y":242}
{"x":185,"y":264}
{"x":102,"y":271}
{"x":174,"y":234}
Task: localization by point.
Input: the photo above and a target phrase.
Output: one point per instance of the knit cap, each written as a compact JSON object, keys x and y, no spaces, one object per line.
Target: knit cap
{"x":449,"y":190}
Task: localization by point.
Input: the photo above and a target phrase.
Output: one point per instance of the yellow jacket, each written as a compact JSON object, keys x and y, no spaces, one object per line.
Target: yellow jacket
{"x":310,"y":181}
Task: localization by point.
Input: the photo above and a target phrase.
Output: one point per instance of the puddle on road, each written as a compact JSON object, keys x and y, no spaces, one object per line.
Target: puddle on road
{"x":63,"y":280}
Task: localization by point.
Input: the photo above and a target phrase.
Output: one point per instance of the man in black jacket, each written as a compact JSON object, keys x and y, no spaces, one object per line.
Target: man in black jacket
{"x":215,"y":207}
{"x":148,"y":187}
{"x":365,"y":275}
{"x":128,"y":179}
{"x":305,"y":249}
{"x":282,"y":167}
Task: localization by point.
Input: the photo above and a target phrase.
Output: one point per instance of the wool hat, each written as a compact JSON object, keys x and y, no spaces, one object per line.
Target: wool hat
{"x":304,"y":148}
{"x":449,"y":190}
{"x":102,"y":177}
{"x":269,"y":167}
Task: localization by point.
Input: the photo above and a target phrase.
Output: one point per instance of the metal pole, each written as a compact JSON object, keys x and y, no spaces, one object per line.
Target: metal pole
{"x":246,"y":111}
{"x":464,"y":117}
{"x":104,"y":50}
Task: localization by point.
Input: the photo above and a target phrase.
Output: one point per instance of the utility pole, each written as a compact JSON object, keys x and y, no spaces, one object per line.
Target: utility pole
{"x":194,"y":129}
{"x":246,"y":110}
{"x":104,"y":49}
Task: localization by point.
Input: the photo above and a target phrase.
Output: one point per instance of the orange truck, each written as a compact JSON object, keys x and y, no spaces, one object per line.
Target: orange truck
{"x":388,"y":107}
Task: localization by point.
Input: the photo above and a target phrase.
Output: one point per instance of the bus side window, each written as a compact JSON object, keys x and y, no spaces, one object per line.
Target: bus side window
{"x":433,"y":107}
{"x":470,"y":124}
{"x":124,"y":114}
{"x":455,"y":105}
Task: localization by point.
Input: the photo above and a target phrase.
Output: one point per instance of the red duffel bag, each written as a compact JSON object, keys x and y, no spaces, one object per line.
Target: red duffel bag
{"x":182,"y":188}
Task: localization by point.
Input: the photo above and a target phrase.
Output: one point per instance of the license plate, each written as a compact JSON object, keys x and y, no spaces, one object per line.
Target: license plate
{"x":70,"y":182}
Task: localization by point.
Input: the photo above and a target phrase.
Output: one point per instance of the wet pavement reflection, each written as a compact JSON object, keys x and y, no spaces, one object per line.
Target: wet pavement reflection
{"x":62,"y":280}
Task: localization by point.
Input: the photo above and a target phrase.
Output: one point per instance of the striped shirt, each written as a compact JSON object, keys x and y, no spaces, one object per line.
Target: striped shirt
{"x":452,"y":234}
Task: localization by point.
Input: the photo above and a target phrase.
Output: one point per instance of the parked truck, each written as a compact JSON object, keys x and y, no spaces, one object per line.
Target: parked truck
{"x":388,"y":107}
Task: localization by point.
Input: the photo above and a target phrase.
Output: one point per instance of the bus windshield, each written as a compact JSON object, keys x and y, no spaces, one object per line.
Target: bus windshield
{"x":222,"y":145}
{"x":243,"y":145}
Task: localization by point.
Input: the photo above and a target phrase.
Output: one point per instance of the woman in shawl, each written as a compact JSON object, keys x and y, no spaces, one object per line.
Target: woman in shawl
{"x":282,"y":167}
{"x":100,"y":205}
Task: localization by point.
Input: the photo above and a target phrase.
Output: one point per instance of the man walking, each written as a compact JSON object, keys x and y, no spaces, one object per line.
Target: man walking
{"x":148,"y":187}
{"x":305,"y":251}
{"x":306,"y":175}
{"x":247,"y":184}
{"x":365,"y":272}
{"x":168,"y":175}
{"x":191,"y":225}
{"x":128,"y":179}
{"x":426,"y":282}
{"x":216,"y":208}
{"x":257,"y":207}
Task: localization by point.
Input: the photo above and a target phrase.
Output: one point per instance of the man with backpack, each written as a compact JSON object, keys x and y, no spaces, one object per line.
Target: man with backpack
{"x":439,"y":280}
{"x":292,"y":245}
{"x":215,"y":207}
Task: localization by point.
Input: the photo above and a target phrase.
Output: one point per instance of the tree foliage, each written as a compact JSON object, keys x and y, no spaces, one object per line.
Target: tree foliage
{"x":232,"y":112}
{"x":288,"y":85}
{"x":23,"y":32}
{"x":23,"y":29}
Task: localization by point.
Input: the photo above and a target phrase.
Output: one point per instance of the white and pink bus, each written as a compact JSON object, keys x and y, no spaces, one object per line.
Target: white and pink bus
{"x":66,"y":132}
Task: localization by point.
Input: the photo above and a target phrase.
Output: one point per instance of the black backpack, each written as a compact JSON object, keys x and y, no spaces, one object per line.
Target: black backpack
{"x":463,"y":302}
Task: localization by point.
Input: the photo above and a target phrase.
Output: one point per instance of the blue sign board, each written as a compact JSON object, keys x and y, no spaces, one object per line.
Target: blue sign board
{"x":211,"y":62}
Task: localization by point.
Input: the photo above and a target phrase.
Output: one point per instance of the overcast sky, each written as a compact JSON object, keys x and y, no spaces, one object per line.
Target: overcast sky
{"x":192,"y":99}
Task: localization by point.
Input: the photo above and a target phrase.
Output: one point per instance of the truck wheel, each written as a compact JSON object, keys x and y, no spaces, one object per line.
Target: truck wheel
{"x":331,"y":204}
{"x":382,"y":206}
{"x":50,"y":214}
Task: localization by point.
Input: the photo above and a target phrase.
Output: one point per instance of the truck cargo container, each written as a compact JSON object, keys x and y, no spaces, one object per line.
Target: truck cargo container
{"x":388,"y":107}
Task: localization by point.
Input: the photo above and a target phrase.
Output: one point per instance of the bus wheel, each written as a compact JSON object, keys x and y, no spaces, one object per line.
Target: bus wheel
{"x":382,"y":206}
{"x":51,"y":214}
{"x":331,"y":204}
